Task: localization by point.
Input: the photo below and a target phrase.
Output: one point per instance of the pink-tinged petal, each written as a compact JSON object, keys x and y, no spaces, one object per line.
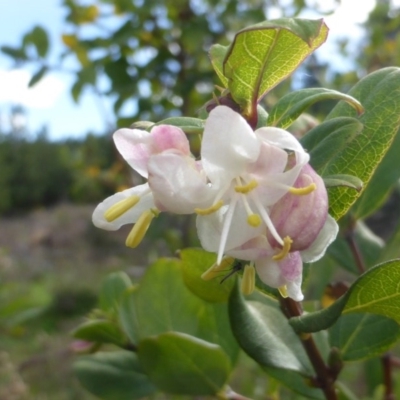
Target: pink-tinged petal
{"x":168,"y":137}
{"x":228,"y":145}
{"x":135,"y":146}
{"x":254,"y":249}
{"x":325,"y":237}
{"x":178,"y":185}
{"x":269,"y":272}
{"x":301,"y":217}
{"x":271,"y":160}
{"x":209,"y":229}
{"x":287,"y":272}
{"x":146,"y":202}
{"x":284,"y":140}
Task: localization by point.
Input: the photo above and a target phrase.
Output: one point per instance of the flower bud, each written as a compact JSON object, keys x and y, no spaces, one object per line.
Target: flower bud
{"x":301,"y":216}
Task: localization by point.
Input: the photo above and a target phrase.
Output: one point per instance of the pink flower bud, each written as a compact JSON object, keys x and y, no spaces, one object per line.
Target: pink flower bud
{"x":301,"y":216}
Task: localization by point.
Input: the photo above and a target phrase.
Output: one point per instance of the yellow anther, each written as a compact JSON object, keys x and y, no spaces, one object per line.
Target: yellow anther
{"x":254,"y":220}
{"x":304,"y":190}
{"x":248,"y":280}
{"x":209,"y":210}
{"x":283,"y":291}
{"x":120,"y":208}
{"x":215,"y":269}
{"x":247,"y":188}
{"x":287,"y":243}
{"x":138,"y":231}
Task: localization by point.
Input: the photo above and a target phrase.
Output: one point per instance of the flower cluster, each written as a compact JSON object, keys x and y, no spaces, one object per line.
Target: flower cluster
{"x":254,"y":193}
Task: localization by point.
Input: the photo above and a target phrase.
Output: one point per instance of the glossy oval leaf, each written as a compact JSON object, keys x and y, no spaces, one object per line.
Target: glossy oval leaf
{"x":162,"y":303}
{"x":112,"y":290}
{"x":113,"y":376}
{"x":100,"y":331}
{"x":194,"y":263}
{"x":377,"y":292}
{"x":182,"y":364}
{"x":362,"y":336}
{"x":264,"y":333}
{"x":379,"y":93}
{"x":264,"y":54}
{"x":292,"y":105}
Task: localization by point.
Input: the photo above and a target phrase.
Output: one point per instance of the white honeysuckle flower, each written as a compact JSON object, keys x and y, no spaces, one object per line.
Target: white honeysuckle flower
{"x":136,"y":205}
{"x":249,"y":172}
{"x":311,"y":229}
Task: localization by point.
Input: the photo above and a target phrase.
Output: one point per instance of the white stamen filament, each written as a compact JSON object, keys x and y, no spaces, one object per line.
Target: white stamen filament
{"x":225,"y":228}
{"x":267,"y":220}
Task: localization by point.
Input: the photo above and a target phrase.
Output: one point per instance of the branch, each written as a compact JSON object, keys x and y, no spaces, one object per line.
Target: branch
{"x":325,"y":378}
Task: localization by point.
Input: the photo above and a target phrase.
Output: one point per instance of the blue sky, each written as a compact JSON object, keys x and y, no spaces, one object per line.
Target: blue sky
{"x":49,"y":103}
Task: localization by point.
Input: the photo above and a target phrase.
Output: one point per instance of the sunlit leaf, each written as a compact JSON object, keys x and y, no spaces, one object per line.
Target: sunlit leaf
{"x":264,"y":54}
{"x":379,"y":93}
{"x":112,"y":289}
{"x":289,"y":107}
{"x":377,"y":292}
{"x":217,"y":55}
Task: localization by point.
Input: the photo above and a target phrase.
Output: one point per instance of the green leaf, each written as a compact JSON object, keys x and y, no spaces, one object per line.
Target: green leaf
{"x":291,"y":106}
{"x":327,"y":140}
{"x":385,"y":176}
{"x":379,"y":93}
{"x":264,"y":54}
{"x":113,"y":376}
{"x":217,"y":55}
{"x":376,"y":292}
{"x":112,"y":289}
{"x":265,"y":335}
{"x":17,"y":54}
{"x":345,"y":126}
{"x":362,"y":336}
{"x":187,"y":124}
{"x":37,"y":76}
{"x":39,"y":38}
{"x":100,"y":331}
{"x":343,"y":180}
{"x":181,"y":364}
{"x":194,"y":263}
{"x":295,"y":382}
{"x":162,"y":303}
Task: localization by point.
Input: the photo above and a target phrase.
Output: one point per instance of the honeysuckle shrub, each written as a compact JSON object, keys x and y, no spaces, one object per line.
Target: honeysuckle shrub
{"x":268,"y":207}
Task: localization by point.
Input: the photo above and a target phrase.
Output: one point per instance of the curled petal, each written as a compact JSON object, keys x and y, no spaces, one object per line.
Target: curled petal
{"x":178,"y":184}
{"x":131,"y":216}
{"x":325,"y":237}
{"x":137,"y":146}
{"x":228,"y":146}
{"x":134,"y":145}
{"x":284,"y":140}
{"x":168,"y":137}
{"x":287,"y":272}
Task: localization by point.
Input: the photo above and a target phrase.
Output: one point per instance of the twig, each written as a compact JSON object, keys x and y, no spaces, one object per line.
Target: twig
{"x":325,"y":378}
{"x":387,"y":377}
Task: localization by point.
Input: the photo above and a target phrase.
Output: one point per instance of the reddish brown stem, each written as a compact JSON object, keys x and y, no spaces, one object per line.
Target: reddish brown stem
{"x":325,"y":379}
{"x":387,"y":377}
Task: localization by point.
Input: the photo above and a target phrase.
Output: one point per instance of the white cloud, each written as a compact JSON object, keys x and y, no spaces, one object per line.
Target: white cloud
{"x":14,"y":89}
